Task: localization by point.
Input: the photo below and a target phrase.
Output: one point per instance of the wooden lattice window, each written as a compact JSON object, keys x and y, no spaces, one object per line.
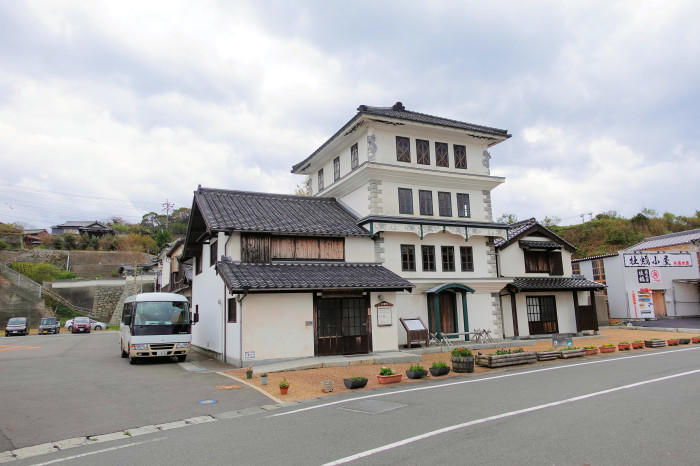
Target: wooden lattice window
{"x":408,"y":257}
{"x":463,"y":205}
{"x":403,"y":149}
{"x":442,"y":159}
{"x":460,"y":156}
{"x":354,"y":158}
{"x":466,"y":255}
{"x":423,"y":152}
{"x":542,"y":314}
{"x":448,"y":258}
{"x":336,"y":169}
{"x":405,"y":201}
{"x":425,"y":199}
{"x":445,"y":204}
{"x":428,"y":256}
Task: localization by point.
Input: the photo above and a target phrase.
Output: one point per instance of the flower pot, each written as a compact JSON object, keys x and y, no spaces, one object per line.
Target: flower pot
{"x":638,"y":345}
{"x":284,"y":390}
{"x":684,"y":341}
{"x":463,"y":364}
{"x":591,"y":351}
{"x":437,"y":372}
{"x":416,"y":374}
{"x":623,"y":346}
{"x":696,"y":340}
{"x":248,"y":374}
{"x":352,"y":384}
{"x":385,"y":379}
{"x":607,"y":349}
{"x":263,"y":380}
{"x":672,"y":342}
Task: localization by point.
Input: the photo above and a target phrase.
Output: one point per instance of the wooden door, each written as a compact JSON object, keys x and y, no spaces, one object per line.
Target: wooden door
{"x":448,"y":310}
{"x":657,"y":297}
{"x":343,"y":326}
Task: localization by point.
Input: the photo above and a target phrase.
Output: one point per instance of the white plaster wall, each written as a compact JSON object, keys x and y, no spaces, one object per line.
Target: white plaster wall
{"x":390,"y":201}
{"x":480,"y":312}
{"x":274,"y":325}
{"x":233,"y":248}
{"x":386,"y":147}
{"x":359,"y":249}
{"x":566,"y":316}
{"x":409,"y":306}
{"x":394,"y":240}
{"x":512,"y":262}
{"x":208,"y":293}
{"x":506,"y":308}
{"x":358,"y":200}
{"x":345,"y":168}
{"x":385,"y":338}
{"x":233,"y":336}
{"x":165,"y":271}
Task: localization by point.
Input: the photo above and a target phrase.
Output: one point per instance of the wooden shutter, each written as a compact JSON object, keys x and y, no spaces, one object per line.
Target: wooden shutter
{"x":332,"y":249}
{"x":307,"y":248}
{"x":282,"y":248}
{"x":255,"y":249}
{"x":556,"y":267}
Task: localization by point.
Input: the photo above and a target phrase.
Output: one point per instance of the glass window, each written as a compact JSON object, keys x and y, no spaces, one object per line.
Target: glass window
{"x":213,"y":253}
{"x":448,"y":258}
{"x":460,"y":156}
{"x":408,"y":257}
{"x":336,"y":169}
{"x":463,"y":205}
{"x":428,"y":256}
{"x":405,"y":201}
{"x":466,"y":255}
{"x":403,"y":149}
{"x":576,"y":268}
{"x":445,"y":204}
{"x":232,"y":310}
{"x":425,"y":199}
{"x":161,"y":313}
{"x":320,"y":180}
{"x":599,"y":272}
{"x":354,"y":158}
{"x":441,"y":157}
{"x":422,"y":152}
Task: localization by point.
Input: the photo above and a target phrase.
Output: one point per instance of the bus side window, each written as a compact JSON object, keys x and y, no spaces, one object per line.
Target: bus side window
{"x":126,"y":315}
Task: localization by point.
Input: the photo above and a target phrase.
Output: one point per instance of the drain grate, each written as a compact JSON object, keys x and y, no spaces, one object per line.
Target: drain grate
{"x":372,"y":406}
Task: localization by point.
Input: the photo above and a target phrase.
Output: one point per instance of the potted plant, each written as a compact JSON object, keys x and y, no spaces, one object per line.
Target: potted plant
{"x":327,"y":385}
{"x":607,"y":348}
{"x":355,"y":382}
{"x":284,"y":386}
{"x":623,"y":346}
{"x":386,"y":375}
{"x":249,"y":372}
{"x":462,"y":360}
{"x":549,"y":354}
{"x":439,"y":368}
{"x":572,"y":352}
{"x":263,"y":379}
{"x":696,"y":340}
{"x":672,"y":341}
{"x":638,"y":344}
{"x":591,"y":350}
{"x":505,"y":357}
{"x":684,"y":341}
{"x":655,"y":343}
{"x":416,"y":371}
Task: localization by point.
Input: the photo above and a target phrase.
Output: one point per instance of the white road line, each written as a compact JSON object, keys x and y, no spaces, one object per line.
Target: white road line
{"x":482,"y":379}
{"x":104,"y":450}
{"x":444,"y":430}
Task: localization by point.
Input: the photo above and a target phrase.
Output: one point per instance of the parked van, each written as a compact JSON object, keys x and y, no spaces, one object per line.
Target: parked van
{"x":155,"y":325}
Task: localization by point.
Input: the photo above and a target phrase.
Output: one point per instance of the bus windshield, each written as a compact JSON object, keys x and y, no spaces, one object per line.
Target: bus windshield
{"x":161,"y":313}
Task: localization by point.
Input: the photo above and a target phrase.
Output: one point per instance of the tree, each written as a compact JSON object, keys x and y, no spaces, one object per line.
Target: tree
{"x":651,"y":213}
{"x":551,"y":221}
{"x":162,"y":238}
{"x":507,"y":218}
{"x":70,"y":241}
{"x":304,"y":189}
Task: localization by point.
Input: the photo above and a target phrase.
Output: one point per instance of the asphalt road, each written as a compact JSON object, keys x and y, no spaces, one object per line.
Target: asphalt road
{"x":54,"y":387}
{"x":630,"y":409}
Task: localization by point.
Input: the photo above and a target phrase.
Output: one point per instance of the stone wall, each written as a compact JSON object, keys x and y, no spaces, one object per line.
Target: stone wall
{"x":86,"y":264}
{"x":17,"y":302}
{"x":105,"y":301}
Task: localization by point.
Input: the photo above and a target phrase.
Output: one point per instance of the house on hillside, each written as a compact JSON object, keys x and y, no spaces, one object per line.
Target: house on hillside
{"x":174,"y":275}
{"x":92,"y":228}
{"x":544,"y":296}
{"x":656,"y":278}
{"x":32,"y":236}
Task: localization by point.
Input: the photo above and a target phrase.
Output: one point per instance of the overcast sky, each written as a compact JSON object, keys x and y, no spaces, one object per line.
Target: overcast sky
{"x":109,"y":108}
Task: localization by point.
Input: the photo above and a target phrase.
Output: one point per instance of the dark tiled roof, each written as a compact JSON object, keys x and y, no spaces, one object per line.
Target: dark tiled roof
{"x":589,"y":258}
{"x":309,"y":276}
{"x":225,"y":210}
{"x":540,"y":244}
{"x":399,"y":112}
{"x":554,"y":284}
{"x":525,"y":227}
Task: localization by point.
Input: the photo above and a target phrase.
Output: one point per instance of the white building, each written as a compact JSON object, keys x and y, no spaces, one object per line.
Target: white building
{"x":655,"y":278}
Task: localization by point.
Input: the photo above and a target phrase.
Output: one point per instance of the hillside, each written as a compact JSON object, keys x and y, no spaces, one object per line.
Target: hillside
{"x":607,"y":233}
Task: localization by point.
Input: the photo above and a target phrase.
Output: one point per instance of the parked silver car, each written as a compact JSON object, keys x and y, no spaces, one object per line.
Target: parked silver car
{"x":94,"y":325}
{"x":17,"y":326}
{"x":49,"y":325}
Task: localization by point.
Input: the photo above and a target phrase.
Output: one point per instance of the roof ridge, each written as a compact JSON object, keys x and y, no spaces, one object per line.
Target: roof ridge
{"x":671,"y":235}
{"x":262,"y":194}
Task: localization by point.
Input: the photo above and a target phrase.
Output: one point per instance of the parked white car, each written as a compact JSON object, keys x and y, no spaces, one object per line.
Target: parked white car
{"x":94,"y":325}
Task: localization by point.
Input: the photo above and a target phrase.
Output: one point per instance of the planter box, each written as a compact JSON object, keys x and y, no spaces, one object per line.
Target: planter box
{"x":696,"y":340}
{"x":501,"y":360}
{"x":654,"y":343}
{"x":438,"y":372}
{"x":385,"y":379}
{"x":684,"y":341}
{"x":548,"y":355}
{"x":463,"y":364}
{"x":351,"y":384}
{"x":623,"y":347}
{"x":577,"y":353}
{"x":607,"y":349}
{"x":672,"y":342}
{"x":416,"y":374}
{"x":638,"y":345}
{"x":591,"y":351}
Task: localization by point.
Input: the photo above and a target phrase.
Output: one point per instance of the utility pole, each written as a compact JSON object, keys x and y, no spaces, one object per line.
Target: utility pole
{"x":167,"y":205}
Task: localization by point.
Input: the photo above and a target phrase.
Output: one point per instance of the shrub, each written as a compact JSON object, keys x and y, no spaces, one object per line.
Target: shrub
{"x":607,"y":345}
{"x":509,"y":351}
{"x":570,"y":348}
{"x":590,"y":347}
{"x":638,"y":341}
{"x":439,"y":365}
{"x":358,"y":379}
{"x":4,"y":244}
{"x":624,"y":343}
{"x":461,"y":352}
{"x":42,"y":272}
{"x":416,"y":368}
{"x":386,"y":371}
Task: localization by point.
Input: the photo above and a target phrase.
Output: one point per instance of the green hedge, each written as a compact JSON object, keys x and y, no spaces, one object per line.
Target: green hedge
{"x":42,"y":272}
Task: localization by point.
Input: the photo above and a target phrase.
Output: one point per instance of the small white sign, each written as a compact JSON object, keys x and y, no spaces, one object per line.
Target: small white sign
{"x":249,"y":355}
{"x":384,"y":316}
{"x":414,"y":324}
